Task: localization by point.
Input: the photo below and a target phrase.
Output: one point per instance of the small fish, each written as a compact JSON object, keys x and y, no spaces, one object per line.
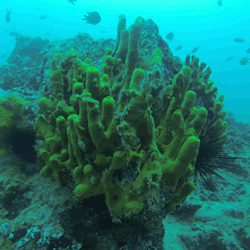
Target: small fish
{"x":170,"y":36}
{"x":178,"y":47}
{"x":47,"y":33}
{"x":14,"y":33}
{"x":72,"y":1}
{"x":7,"y":16}
{"x":195,"y":49}
{"x":248,"y":51}
{"x":38,"y":8}
{"x":244,"y":61}
{"x":92,"y":17}
{"x":43,"y":16}
{"x":239,"y":40}
{"x":219,"y":3}
{"x":103,"y":32}
{"x":229,"y":58}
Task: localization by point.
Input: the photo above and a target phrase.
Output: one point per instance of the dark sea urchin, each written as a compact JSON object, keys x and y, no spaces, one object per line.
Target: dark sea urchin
{"x":213,"y":158}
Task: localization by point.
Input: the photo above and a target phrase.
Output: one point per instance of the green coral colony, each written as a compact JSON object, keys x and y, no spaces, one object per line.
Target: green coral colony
{"x":102,"y":128}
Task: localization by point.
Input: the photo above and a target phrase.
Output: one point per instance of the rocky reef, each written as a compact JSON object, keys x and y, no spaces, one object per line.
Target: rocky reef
{"x":119,"y":129}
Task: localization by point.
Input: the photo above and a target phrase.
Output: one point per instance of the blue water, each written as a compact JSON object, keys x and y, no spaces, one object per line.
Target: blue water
{"x":195,"y":23}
